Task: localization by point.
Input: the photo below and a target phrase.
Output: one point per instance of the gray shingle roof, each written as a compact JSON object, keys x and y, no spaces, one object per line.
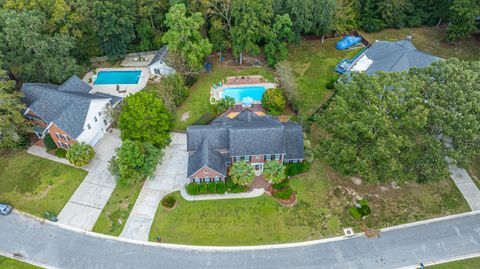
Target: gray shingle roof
{"x":246,"y":134}
{"x":396,"y":56}
{"x":65,"y":105}
{"x":206,"y":156}
{"x":160,"y":55}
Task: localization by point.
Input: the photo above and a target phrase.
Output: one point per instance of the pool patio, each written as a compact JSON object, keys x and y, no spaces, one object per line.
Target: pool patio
{"x":121,"y":90}
{"x":217,"y":92}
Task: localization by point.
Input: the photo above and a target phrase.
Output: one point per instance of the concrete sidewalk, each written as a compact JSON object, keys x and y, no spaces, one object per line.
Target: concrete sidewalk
{"x":169,"y":177}
{"x":42,"y":153}
{"x":86,"y":204}
{"x":203,"y":197}
{"x":466,"y":185}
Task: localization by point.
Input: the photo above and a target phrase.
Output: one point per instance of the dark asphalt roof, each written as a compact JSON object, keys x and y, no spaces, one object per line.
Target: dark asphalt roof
{"x":396,"y":57}
{"x":65,"y":105}
{"x":246,"y":134}
{"x":160,"y":55}
{"x":206,"y":156}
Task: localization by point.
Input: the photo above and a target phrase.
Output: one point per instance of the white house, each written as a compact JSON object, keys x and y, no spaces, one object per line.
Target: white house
{"x":158,"y":66}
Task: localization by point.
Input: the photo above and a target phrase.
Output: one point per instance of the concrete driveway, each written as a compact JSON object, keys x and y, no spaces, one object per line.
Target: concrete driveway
{"x":170,"y":176}
{"x":86,"y":204}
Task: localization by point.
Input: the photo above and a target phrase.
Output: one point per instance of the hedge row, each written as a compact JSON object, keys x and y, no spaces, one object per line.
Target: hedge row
{"x":206,"y":188}
{"x":294,"y":169}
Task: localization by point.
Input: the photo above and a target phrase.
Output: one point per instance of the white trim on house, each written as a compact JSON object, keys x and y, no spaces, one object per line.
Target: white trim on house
{"x":97,"y":128}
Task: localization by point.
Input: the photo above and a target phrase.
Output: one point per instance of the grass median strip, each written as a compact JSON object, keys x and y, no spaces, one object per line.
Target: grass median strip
{"x":115,"y":213}
{"x":36,"y":185}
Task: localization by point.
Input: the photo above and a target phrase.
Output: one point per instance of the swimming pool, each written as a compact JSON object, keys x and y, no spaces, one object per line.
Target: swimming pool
{"x":238,"y":93}
{"x":118,"y":77}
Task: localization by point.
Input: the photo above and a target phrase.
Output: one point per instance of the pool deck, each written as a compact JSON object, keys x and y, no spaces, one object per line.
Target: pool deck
{"x":125,"y":89}
{"x":216,"y":93}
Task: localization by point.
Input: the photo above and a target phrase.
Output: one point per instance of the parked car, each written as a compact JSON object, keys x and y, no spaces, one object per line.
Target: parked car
{"x":5,"y":209}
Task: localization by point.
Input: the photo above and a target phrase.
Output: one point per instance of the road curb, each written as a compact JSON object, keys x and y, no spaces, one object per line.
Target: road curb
{"x":25,"y":260}
{"x":459,"y":258}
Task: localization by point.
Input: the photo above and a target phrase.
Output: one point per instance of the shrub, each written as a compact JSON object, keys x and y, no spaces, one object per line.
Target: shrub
{"x":234,"y":188}
{"x":220,"y":187}
{"x":169,"y":201}
{"x":60,"y":153}
{"x":294,"y":169}
{"x":80,"y":154}
{"x":211,"y":187}
{"x":274,"y":172}
{"x":202,"y":188}
{"x":242,"y":173}
{"x":273,"y":101}
{"x":330,"y":85}
{"x":281,"y":185}
{"x":48,"y":140}
{"x":284,"y":194}
{"x":354,"y":213}
{"x":360,"y":210}
{"x":192,"y":188}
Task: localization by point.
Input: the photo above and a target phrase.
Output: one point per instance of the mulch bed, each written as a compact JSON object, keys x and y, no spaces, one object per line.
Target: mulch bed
{"x":171,"y":208}
{"x":289,"y":202}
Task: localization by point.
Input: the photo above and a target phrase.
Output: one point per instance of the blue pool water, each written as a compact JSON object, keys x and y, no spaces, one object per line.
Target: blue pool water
{"x":118,"y":77}
{"x":238,"y":93}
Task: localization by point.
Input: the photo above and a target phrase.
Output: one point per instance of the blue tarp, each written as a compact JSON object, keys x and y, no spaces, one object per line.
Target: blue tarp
{"x":348,"y":41}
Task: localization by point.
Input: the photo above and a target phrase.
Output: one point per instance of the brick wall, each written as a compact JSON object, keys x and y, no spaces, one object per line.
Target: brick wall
{"x":206,"y":172}
{"x":60,"y":140}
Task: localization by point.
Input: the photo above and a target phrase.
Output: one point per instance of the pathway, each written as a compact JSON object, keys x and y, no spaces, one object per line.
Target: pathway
{"x":86,"y":204}
{"x":169,"y":177}
{"x":404,"y":246}
{"x":466,"y":185}
{"x":42,"y":153}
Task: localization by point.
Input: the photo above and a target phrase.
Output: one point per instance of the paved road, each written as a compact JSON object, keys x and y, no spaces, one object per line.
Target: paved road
{"x":169,"y":177}
{"x":62,"y":248}
{"x":87,"y":202}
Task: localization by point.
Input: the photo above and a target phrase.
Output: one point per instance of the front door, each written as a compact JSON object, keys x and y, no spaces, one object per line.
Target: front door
{"x":258,"y":167}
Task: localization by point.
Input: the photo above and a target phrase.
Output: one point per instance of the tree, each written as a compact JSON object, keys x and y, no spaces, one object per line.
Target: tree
{"x":31,"y":52}
{"x":252,"y":20}
{"x":13,"y":126}
{"x":134,"y":161}
{"x":222,"y":105}
{"x":274,"y":172}
{"x":173,"y":91}
{"x":462,"y":19}
{"x":80,"y":154}
{"x":242,"y":173}
{"x":287,"y":81}
{"x":323,"y":14}
{"x":273,"y":101}
{"x":145,"y":118}
{"x":376,"y":127}
{"x":276,"y":49}
{"x":346,"y":16}
{"x":114,"y":20}
{"x":183,"y":36}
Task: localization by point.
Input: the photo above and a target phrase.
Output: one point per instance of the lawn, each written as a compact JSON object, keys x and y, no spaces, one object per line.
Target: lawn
{"x":313,"y":63}
{"x":197,"y":104}
{"x":115,"y":213}
{"x":36,"y":185}
{"x":472,"y":263}
{"x":8,"y":263}
{"x":321,"y":211}
{"x":431,"y":39}
{"x":474,"y":172}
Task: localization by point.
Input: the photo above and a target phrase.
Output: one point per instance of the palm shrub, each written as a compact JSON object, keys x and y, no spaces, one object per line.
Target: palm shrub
{"x":80,"y":154}
{"x":274,"y":172}
{"x":242,"y":173}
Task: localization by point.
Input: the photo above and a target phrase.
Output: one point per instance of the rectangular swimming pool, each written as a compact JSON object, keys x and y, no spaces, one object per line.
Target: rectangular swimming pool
{"x":239,"y":93}
{"x":118,"y":77}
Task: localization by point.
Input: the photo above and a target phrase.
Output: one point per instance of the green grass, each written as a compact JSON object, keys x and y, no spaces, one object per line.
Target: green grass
{"x":472,"y":263}
{"x":8,"y":263}
{"x":474,"y":172}
{"x":321,"y":211}
{"x":431,"y":39}
{"x":36,"y":185}
{"x":313,"y":63}
{"x":197,"y":104}
{"x":115,"y":213}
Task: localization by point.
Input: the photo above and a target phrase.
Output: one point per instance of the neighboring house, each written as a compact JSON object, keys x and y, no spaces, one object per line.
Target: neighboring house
{"x":158,"y":66}
{"x":68,"y":112}
{"x":248,"y":136}
{"x":389,"y":56}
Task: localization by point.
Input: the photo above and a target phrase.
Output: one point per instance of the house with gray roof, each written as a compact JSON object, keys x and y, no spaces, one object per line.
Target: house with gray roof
{"x":68,"y":112}
{"x":389,"y":56}
{"x":158,"y":65}
{"x":254,"y":138}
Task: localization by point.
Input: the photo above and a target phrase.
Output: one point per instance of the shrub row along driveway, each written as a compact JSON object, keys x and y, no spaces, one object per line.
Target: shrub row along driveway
{"x":86,"y":204}
{"x":169,"y":176}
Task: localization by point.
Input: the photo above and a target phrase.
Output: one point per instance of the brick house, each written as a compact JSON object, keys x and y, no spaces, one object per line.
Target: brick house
{"x":248,"y":136}
{"x":68,"y":112}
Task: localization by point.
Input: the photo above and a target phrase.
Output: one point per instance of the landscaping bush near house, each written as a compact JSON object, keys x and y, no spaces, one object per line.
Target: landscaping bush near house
{"x":273,"y":101}
{"x":211,"y":187}
{"x":168,"y":201}
{"x":192,"y":188}
{"x":220,"y":187}
{"x":80,"y":154}
{"x":284,"y":194}
{"x":294,"y":169}
{"x":48,"y":140}
{"x":60,"y":153}
{"x":281,"y":185}
{"x":360,"y":210}
{"x":202,"y":188}
{"x":234,"y":188}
